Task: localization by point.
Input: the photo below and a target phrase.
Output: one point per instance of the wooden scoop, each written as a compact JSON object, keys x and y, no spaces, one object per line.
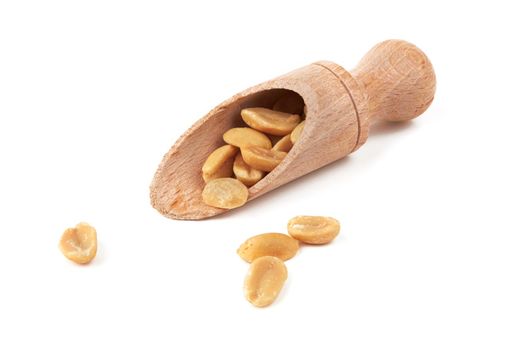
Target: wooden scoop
{"x":395,"y":81}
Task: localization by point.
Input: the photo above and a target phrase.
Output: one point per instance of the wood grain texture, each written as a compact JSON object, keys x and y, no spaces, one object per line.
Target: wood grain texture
{"x":394,"y":81}
{"x":398,"y":80}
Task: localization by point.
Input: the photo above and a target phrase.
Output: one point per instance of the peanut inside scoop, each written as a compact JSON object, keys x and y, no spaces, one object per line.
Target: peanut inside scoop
{"x":251,"y":147}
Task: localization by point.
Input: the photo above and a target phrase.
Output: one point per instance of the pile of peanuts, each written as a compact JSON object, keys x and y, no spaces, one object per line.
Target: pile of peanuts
{"x":267,"y":253}
{"x":249,"y":154}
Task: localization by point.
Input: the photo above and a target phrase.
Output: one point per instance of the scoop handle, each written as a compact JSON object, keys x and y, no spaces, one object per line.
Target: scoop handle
{"x":397,"y":79}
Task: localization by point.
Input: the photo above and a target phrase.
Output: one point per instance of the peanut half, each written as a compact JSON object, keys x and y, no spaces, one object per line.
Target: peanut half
{"x":284,"y":144}
{"x":262,"y":158}
{"x":79,"y":243}
{"x":270,"y":121}
{"x":268,"y":244}
{"x":244,"y":173}
{"x":225,"y":193}
{"x":242,"y":137}
{"x":265,"y":280}
{"x":313,"y":229}
{"x":295,"y":135}
{"x":280,"y":125}
{"x":219,"y":163}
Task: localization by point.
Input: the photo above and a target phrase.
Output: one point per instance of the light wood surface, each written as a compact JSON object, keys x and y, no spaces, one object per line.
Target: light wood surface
{"x":394,"y":81}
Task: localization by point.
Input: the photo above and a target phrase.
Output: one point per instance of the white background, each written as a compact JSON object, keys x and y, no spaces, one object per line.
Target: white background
{"x":93,"y":93}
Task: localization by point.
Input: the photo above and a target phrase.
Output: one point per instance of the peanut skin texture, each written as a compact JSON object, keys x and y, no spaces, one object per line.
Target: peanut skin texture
{"x":79,"y":243}
{"x":219,"y":163}
{"x":270,"y":121}
{"x":225,"y":193}
{"x":314,"y":229}
{"x":295,"y":135}
{"x":261,"y":158}
{"x":245,"y":173}
{"x":279,"y":245}
{"x":265,"y":280}
{"x":284,"y":144}
{"x":242,"y":137}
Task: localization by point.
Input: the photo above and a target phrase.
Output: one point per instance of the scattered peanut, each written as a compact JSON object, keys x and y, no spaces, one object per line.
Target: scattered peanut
{"x":295,"y":134}
{"x":244,"y":173}
{"x":272,"y":244}
{"x":266,"y":252}
{"x":242,"y":137}
{"x":219,"y":163}
{"x":79,"y":243}
{"x":225,"y":193}
{"x":269,"y":121}
{"x":284,"y":144}
{"x":264,"y":280}
{"x":261,"y":158}
{"x":313,"y":229}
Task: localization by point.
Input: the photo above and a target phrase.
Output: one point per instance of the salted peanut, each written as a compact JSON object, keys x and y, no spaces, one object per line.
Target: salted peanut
{"x":279,"y":245}
{"x":242,"y":137}
{"x":79,"y":243}
{"x":264,"y":280}
{"x":225,"y":193}
{"x":284,"y":144}
{"x":289,"y":103}
{"x":219,"y":163}
{"x":270,"y":121}
{"x":314,"y":229}
{"x":261,"y":158}
{"x":295,"y":135}
{"x":244,"y":173}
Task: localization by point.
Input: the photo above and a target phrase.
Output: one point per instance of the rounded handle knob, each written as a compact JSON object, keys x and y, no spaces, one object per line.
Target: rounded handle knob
{"x":398,"y":80}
